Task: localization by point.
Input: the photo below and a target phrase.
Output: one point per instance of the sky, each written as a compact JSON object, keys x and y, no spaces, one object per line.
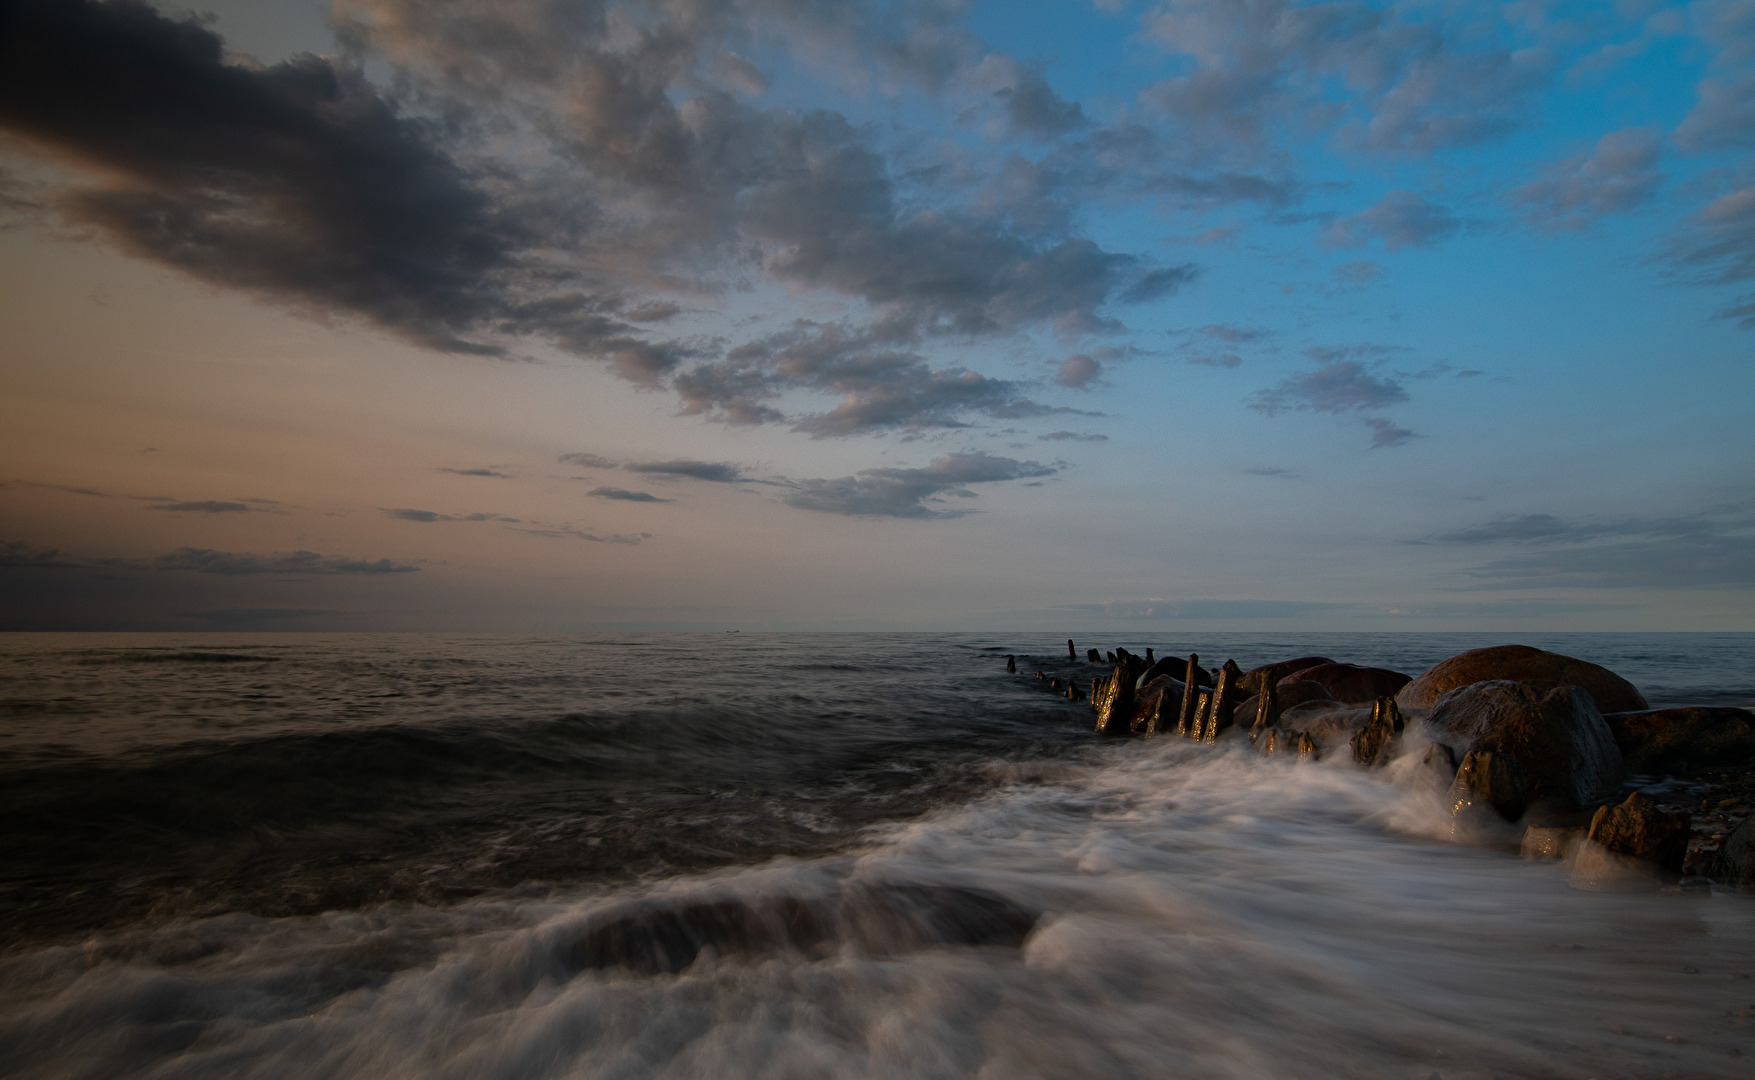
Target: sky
{"x":552,"y":315}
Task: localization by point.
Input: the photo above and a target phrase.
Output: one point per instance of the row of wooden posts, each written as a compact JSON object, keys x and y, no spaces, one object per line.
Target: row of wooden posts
{"x":1203,"y":712}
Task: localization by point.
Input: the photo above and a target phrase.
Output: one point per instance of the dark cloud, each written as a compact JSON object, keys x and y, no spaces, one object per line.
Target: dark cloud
{"x":1718,"y":248}
{"x":1619,"y":175}
{"x":236,"y":563}
{"x":1159,"y":283}
{"x":429,"y":516}
{"x":1072,"y":436}
{"x":1400,"y":219}
{"x":906,"y":493}
{"x":478,"y":472}
{"x":1283,"y":474}
{"x":1078,"y":371}
{"x":718,"y":472}
{"x":624,"y":495}
{"x":1232,"y":334}
{"x":1228,"y":360}
{"x":1714,"y":547}
{"x":1339,"y":386}
{"x":1386,"y":432}
{"x":589,"y":461}
{"x":244,"y":618}
{"x":205,"y":506}
{"x":1031,"y":106}
{"x":18,"y":554}
{"x":567,"y":532}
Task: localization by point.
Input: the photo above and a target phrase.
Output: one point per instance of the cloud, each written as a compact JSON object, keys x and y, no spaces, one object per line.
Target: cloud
{"x":1072,"y":436}
{"x":717,"y":472}
{"x":1151,"y":609}
{"x":1232,"y":334}
{"x":1392,"y":79}
{"x":1030,"y":105}
{"x":206,"y":506}
{"x":1358,"y":273}
{"x":1723,"y":115}
{"x":1339,"y":386}
{"x":429,"y":516}
{"x":1078,"y":372}
{"x":567,"y":532}
{"x":905,"y":493}
{"x":240,"y":618}
{"x":1386,"y":433}
{"x":478,"y":472}
{"x":235,"y":563}
{"x":588,"y":461}
{"x":1283,"y":474}
{"x":1619,"y":175}
{"x":1227,"y":360}
{"x":1400,"y":219}
{"x":1713,"y":547}
{"x":17,"y":554}
{"x":624,"y":495}
{"x":1718,"y":248}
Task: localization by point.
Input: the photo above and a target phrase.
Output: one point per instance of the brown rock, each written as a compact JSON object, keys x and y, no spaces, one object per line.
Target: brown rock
{"x":1251,"y":682}
{"x":1682,"y":740}
{"x":1563,"y":751}
{"x":1735,"y":862}
{"x":1630,"y":845}
{"x":1288,"y":696}
{"x":1487,"y":781}
{"x":1520,"y":663}
{"x":1177,"y":668}
{"x":1350,"y":683}
{"x":1551,"y":841}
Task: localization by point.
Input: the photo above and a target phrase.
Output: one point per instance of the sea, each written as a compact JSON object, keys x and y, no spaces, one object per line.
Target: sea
{"x":788,"y":856}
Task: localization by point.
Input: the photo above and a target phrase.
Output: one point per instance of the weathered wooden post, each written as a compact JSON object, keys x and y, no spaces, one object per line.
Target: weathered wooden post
{"x":1185,"y":725}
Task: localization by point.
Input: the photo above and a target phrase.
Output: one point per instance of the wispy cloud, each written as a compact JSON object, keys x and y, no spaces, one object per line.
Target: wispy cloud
{"x":624,"y":495}
{"x":716,"y":472}
{"x":911,"y":493}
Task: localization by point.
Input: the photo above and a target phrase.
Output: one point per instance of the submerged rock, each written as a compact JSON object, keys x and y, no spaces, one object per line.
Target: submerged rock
{"x":1251,"y":682}
{"x":655,"y":936}
{"x":1563,"y":751}
{"x":1350,"y":683}
{"x":1521,"y":663}
{"x":1487,"y":781}
{"x":1682,"y":740}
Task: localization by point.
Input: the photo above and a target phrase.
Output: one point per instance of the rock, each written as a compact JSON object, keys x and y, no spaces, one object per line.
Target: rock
{"x":1520,"y":663}
{"x":1735,"y":862}
{"x":1562,"y":749}
{"x":1371,"y":745}
{"x":1092,"y":656}
{"x":1251,"y":682}
{"x":1308,"y":750}
{"x":1111,"y":657}
{"x":1155,"y":706}
{"x":1682,"y":740}
{"x":1551,"y":841}
{"x":1438,"y":763}
{"x":658,"y":937}
{"x":1350,"y":683}
{"x":1487,"y":781}
{"x":1631,"y":845}
{"x":1177,"y":668}
{"x":1287,"y":696}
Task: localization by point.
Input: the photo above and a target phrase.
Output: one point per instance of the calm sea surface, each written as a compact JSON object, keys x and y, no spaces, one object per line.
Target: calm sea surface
{"x":371,"y":855}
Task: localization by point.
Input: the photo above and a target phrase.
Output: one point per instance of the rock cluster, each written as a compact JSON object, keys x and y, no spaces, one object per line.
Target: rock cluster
{"x":1528,"y":746}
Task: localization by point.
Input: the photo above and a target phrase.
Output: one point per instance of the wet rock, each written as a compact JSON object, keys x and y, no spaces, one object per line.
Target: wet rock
{"x":1735,"y":862}
{"x":1551,"y":841}
{"x":1155,"y":706}
{"x":1177,"y":668}
{"x":1439,"y":763}
{"x":1564,"y":754}
{"x":1308,"y":749}
{"x":1520,"y":663}
{"x":1371,"y":746}
{"x":1682,"y":740}
{"x":1351,"y":683}
{"x":1487,"y":782}
{"x":1253,"y":679}
{"x":1631,"y":845}
{"x":1288,"y":696}
{"x":655,"y":937}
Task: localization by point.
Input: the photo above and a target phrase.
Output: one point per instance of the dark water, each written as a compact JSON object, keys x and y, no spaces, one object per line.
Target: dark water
{"x":348,"y":854}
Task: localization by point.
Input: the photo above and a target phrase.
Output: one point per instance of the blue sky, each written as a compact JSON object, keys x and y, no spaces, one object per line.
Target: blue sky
{"x":780,"y":313}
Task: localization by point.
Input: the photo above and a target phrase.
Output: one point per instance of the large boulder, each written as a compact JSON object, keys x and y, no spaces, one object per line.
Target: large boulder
{"x":1287,"y":696}
{"x":1553,"y":735}
{"x":1155,"y":706}
{"x":1681,"y":740}
{"x":1251,"y":682}
{"x":1351,"y":683}
{"x":1520,"y":663}
{"x":1735,"y":862}
{"x":1176,"y":667}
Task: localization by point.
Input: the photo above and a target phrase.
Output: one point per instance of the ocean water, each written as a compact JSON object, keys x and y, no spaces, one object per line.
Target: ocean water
{"x":846,"y":855}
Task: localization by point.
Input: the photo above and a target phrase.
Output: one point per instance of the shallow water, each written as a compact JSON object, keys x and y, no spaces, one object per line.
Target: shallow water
{"x":377,"y":855}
